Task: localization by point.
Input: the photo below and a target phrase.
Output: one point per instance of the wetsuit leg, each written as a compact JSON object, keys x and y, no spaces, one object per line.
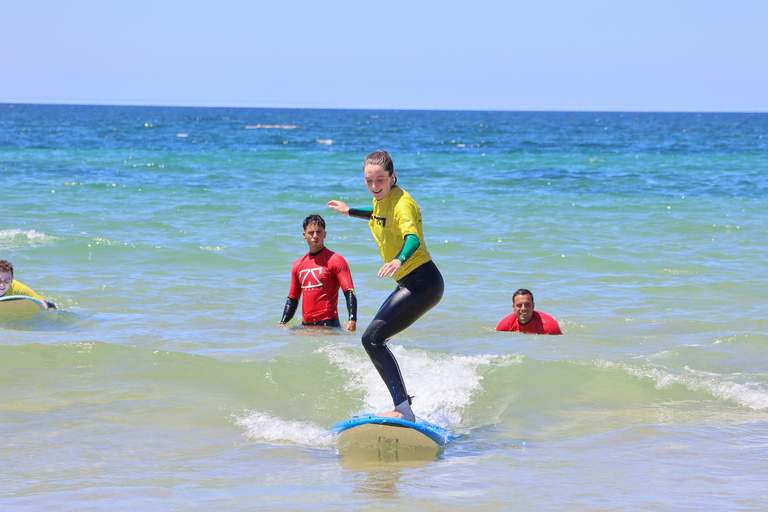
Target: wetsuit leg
{"x":416,"y":293}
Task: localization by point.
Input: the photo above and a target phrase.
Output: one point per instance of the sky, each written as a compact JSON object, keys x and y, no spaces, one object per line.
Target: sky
{"x":535,"y":55}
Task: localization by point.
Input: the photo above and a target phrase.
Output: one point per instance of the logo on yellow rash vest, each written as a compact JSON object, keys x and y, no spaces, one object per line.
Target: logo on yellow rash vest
{"x":381,"y":221}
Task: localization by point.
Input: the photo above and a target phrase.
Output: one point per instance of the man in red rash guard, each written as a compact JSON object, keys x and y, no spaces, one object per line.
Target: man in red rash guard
{"x":525,"y":319}
{"x":317,"y":277}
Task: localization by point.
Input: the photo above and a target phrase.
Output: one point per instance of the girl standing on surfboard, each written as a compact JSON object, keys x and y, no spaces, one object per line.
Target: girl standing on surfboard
{"x":395,"y":221}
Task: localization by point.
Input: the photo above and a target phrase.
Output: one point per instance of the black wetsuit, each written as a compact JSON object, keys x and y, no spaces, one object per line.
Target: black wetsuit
{"x":416,"y":293}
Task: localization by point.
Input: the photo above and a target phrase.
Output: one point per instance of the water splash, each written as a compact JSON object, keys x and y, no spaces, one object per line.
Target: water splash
{"x":442,"y":384}
{"x":260,"y":426}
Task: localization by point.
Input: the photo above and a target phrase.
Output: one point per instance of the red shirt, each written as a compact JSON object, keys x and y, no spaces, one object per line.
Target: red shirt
{"x":318,"y":278}
{"x":541,"y":323}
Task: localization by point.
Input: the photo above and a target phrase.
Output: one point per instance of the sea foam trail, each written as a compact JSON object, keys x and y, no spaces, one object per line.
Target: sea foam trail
{"x":260,"y":426}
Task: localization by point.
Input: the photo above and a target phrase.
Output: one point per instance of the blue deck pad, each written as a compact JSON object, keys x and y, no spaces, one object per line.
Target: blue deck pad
{"x":437,"y":434}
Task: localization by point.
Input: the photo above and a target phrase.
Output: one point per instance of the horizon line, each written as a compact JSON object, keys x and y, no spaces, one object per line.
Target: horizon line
{"x":416,"y":109}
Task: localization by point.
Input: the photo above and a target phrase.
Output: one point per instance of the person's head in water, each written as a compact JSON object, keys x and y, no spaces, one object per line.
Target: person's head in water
{"x":314,"y":232}
{"x":6,"y":276}
{"x":379,"y":171}
{"x":522,"y":305}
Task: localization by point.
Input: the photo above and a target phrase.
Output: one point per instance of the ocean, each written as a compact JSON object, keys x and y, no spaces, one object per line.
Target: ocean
{"x":166,"y":236}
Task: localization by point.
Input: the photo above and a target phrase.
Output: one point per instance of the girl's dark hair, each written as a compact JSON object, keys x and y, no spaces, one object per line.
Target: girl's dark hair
{"x":381,"y":158}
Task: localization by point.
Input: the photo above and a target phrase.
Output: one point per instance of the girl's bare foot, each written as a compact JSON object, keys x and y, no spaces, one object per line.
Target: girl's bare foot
{"x":402,"y":411}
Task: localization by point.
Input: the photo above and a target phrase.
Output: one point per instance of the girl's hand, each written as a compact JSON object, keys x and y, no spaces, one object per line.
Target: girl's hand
{"x":339,"y":206}
{"x":391,"y":268}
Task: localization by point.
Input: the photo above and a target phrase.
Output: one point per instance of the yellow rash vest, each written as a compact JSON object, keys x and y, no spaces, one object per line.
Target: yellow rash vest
{"x":394,"y":217}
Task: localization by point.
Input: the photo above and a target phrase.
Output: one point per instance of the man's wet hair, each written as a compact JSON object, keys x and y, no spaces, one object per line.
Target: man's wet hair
{"x":522,"y":291}
{"x":6,"y":266}
{"x":314,"y":219}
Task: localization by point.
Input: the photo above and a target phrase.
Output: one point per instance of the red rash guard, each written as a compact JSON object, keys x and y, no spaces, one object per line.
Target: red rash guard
{"x":318,"y":277}
{"x":541,"y":323}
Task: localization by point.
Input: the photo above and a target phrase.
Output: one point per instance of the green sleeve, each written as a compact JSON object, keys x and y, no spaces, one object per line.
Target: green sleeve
{"x":410,"y":245}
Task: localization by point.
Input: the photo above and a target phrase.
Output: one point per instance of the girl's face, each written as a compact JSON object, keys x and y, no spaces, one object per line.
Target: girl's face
{"x":378,"y":181}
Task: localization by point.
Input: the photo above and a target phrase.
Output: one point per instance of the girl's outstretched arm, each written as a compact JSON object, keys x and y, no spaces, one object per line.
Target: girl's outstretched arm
{"x":339,"y":206}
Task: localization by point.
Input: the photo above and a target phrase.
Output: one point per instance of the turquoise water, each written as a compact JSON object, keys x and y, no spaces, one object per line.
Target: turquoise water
{"x":166,"y":235}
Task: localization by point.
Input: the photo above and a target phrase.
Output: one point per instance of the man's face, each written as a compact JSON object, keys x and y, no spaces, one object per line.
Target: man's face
{"x":314,"y":234}
{"x":522,"y":305}
{"x":6,"y":278}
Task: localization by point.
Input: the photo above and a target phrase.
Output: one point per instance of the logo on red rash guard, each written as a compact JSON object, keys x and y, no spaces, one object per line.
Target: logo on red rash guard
{"x":310,"y":278}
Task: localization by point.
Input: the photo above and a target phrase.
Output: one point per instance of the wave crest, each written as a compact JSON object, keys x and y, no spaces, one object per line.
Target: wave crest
{"x":17,"y":237}
{"x":749,"y":395}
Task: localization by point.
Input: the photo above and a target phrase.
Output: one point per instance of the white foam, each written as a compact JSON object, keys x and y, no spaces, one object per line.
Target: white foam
{"x":749,"y":395}
{"x":16,"y":235}
{"x":442,"y":384}
{"x":260,"y":426}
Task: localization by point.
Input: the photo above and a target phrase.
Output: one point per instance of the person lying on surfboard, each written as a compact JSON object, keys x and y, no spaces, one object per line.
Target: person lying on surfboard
{"x":9,"y":286}
{"x":525,"y":319}
{"x":395,"y":221}
{"x":317,"y":276}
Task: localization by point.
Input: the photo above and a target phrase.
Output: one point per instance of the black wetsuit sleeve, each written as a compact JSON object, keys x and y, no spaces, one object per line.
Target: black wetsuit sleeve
{"x":290,"y":310}
{"x":351,"y":303}
{"x":361,"y":213}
